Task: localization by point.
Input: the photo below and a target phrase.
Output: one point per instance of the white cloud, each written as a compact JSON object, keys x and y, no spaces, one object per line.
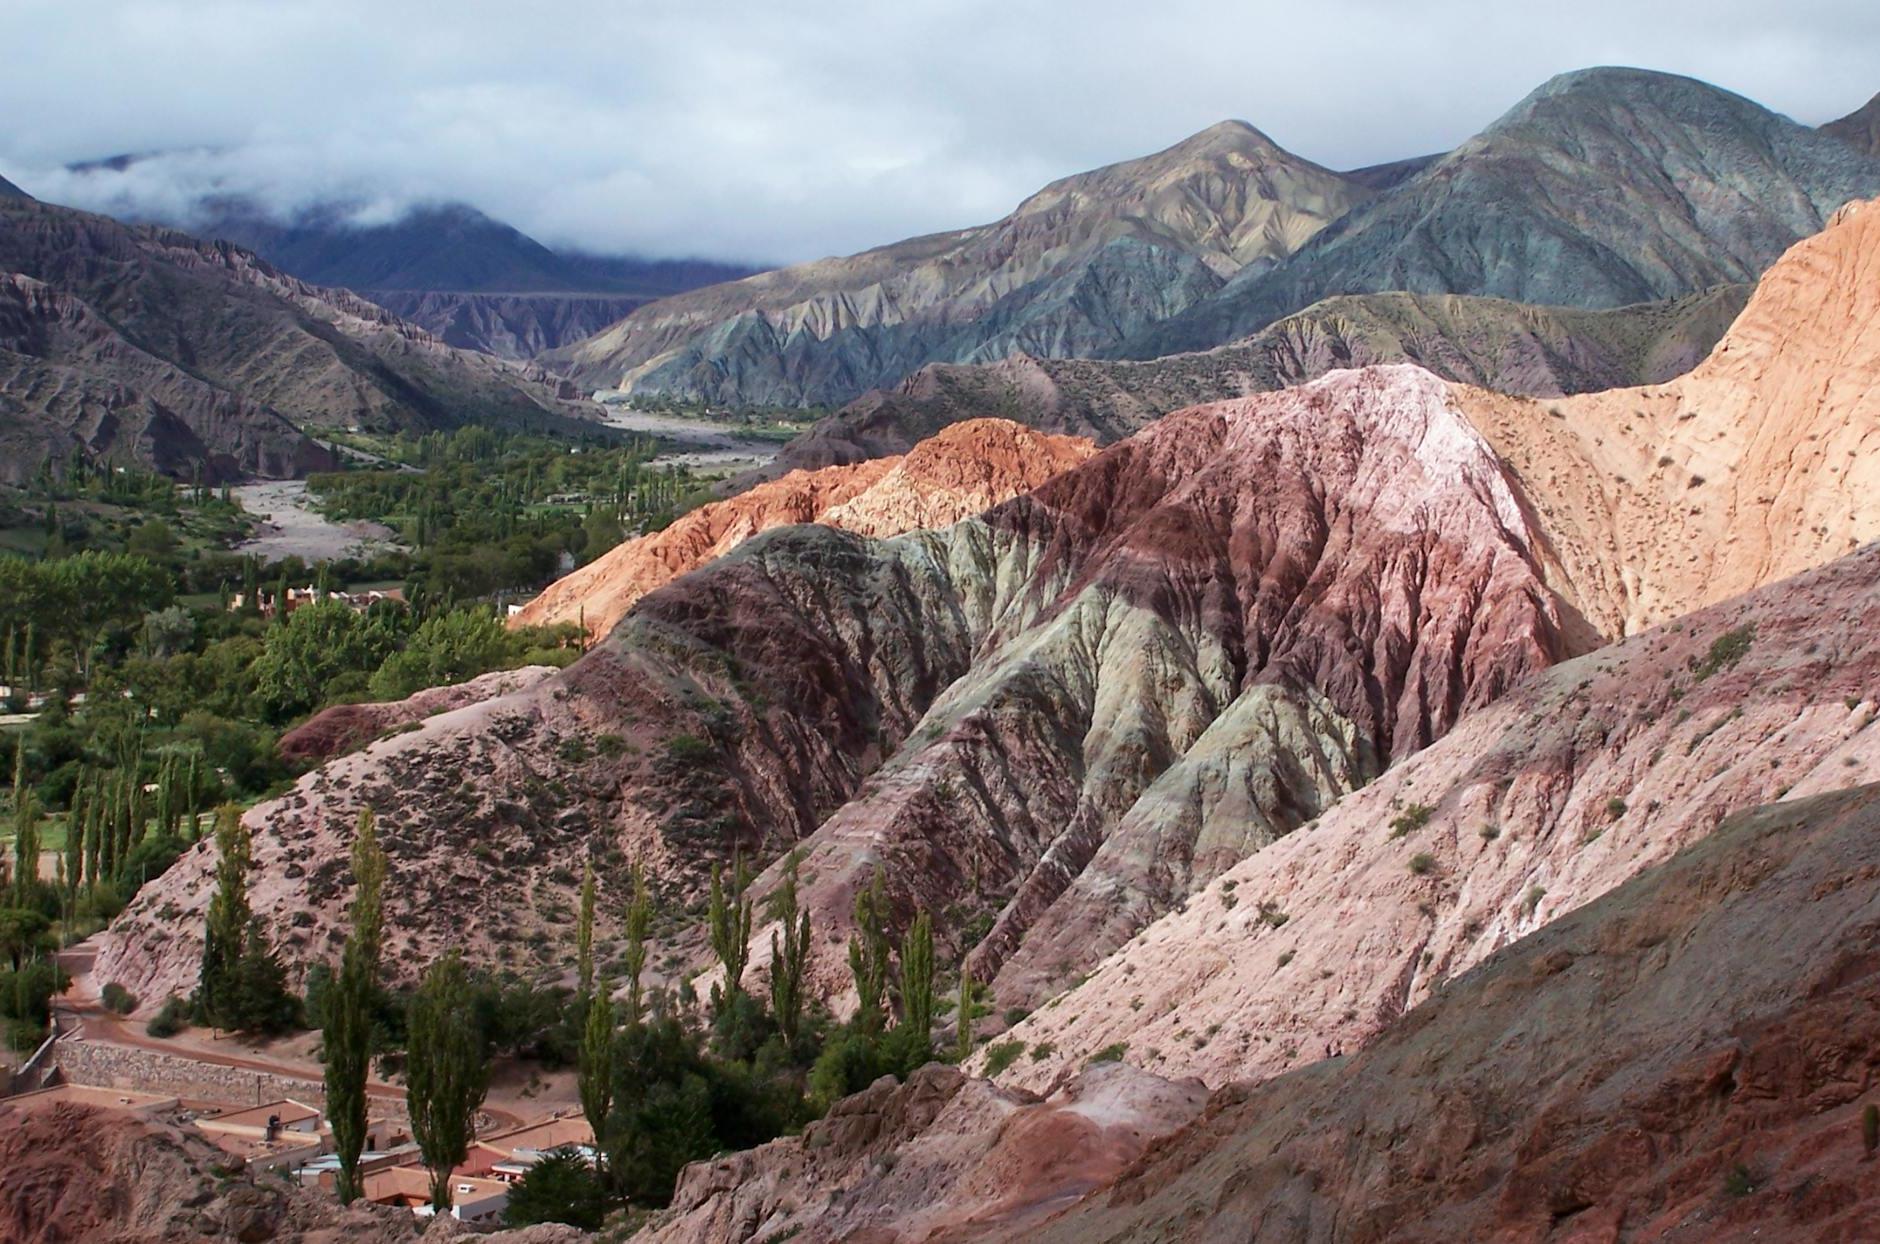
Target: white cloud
{"x":786,"y":130}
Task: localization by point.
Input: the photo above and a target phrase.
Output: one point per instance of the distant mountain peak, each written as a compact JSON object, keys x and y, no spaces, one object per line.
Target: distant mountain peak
{"x":1859,"y":129}
{"x":10,"y":191}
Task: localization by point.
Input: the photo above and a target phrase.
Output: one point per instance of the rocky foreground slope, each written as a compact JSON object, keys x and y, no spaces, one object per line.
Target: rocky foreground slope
{"x":970,"y":468}
{"x":1487,"y":342}
{"x":1074,"y":270}
{"x":76,"y":1173}
{"x":185,"y":352}
{"x":1685,"y":1059}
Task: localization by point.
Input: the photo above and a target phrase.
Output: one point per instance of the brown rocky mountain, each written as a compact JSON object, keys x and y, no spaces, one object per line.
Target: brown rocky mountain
{"x":1504,"y":346}
{"x":1860,"y":128}
{"x":184,"y":351}
{"x":69,"y":380}
{"x":1181,"y":650}
{"x":1567,"y":787}
{"x":1074,"y":270}
{"x":1603,"y":187}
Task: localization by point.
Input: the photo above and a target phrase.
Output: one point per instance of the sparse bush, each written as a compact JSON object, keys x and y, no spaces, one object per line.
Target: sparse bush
{"x":1271,"y":915}
{"x":1002,"y":1055}
{"x":1422,"y":863}
{"x":1739,"y":1182}
{"x":119,"y":999}
{"x":170,"y":1019}
{"x":1534,"y":897}
{"x":1013,"y":1014}
{"x":1112,"y":1053}
{"x":1615,"y":808}
{"x":1042,"y":1051}
{"x":1490,"y":832}
{"x":1411,"y":819}
{"x":1726,"y":650}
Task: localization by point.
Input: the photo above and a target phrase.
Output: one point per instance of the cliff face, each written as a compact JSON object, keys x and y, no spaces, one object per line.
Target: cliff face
{"x":1074,"y":270}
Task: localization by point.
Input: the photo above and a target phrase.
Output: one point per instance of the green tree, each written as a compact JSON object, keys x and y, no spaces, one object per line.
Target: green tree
{"x":450,"y":648}
{"x":914,"y":1032}
{"x":315,"y":645}
{"x":730,"y":918}
{"x":868,"y":954}
{"x":584,"y":935}
{"x":639,"y":924}
{"x":560,"y":1187}
{"x":22,"y":933}
{"x":347,"y":1038}
{"x":789,"y":953}
{"x":446,"y":1071}
{"x":226,"y":933}
{"x":963,"y":1013}
{"x":595,"y":1075}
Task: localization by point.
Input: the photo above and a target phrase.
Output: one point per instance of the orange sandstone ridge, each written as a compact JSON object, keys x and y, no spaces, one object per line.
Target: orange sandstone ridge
{"x":964,"y":470}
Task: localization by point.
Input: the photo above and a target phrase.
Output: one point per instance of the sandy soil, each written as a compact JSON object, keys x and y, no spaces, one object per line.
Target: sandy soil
{"x":708,"y":445}
{"x":291,"y":527}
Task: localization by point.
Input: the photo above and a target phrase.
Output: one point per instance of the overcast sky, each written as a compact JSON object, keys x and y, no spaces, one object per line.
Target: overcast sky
{"x":789,"y":129}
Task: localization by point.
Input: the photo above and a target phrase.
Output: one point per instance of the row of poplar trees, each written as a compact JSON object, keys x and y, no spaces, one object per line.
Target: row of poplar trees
{"x":446,"y":1072}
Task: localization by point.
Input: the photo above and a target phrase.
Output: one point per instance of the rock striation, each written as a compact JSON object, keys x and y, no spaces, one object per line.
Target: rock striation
{"x":1602,"y":188}
{"x":1074,"y":270}
{"x":1487,"y":342}
{"x":194,"y":353}
{"x":970,"y":468}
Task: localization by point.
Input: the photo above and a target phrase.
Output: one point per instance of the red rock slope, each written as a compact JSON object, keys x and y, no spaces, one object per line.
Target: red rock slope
{"x":1570,"y":785}
{"x":1685,"y":1060}
{"x":964,"y":470}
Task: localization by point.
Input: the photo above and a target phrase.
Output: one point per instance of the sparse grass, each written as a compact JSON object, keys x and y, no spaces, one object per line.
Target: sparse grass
{"x":1411,"y":819}
{"x":1112,"y":1053}
{"x":1042,"y":1051}
{"x":1725,"y":650}
{"x":1003,"y":1055}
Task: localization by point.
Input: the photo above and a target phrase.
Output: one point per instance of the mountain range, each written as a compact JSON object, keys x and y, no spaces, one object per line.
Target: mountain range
{"x":198,"y":357}
{"x":1058,"y":721}
{"x":475,"y":282}
{"x":1602,"y":188}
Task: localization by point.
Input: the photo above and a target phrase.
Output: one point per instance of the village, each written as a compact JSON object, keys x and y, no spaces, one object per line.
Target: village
{"x":263,"y":1110}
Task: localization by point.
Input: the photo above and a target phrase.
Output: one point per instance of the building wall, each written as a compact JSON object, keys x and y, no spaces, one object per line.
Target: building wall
{"x":155,"y":1071}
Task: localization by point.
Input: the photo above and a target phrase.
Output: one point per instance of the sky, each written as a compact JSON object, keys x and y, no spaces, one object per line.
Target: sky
{"x":786,"y":130}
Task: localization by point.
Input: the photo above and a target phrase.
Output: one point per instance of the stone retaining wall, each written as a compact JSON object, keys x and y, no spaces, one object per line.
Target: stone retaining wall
{"x":157,"y":1071}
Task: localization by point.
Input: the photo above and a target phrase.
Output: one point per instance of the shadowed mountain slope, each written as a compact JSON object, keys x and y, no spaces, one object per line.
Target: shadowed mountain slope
{"x":244,"y":346}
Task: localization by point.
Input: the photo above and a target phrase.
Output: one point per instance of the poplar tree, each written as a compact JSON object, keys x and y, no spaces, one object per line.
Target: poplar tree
{"x":789,"y":951}
{"x":639,"y":924}
{"x":595,"y":1078}
{"x":25,"y":832}
{"x":446,"y":1073}
{"x":868,"y":954}
{"x":964,"y":1048}
{"x":584,"y":935}
{"x":229,"y":915}
{"x":347,"y":1040}
{"x":917,"y":999}
{"x":731,"y":927}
